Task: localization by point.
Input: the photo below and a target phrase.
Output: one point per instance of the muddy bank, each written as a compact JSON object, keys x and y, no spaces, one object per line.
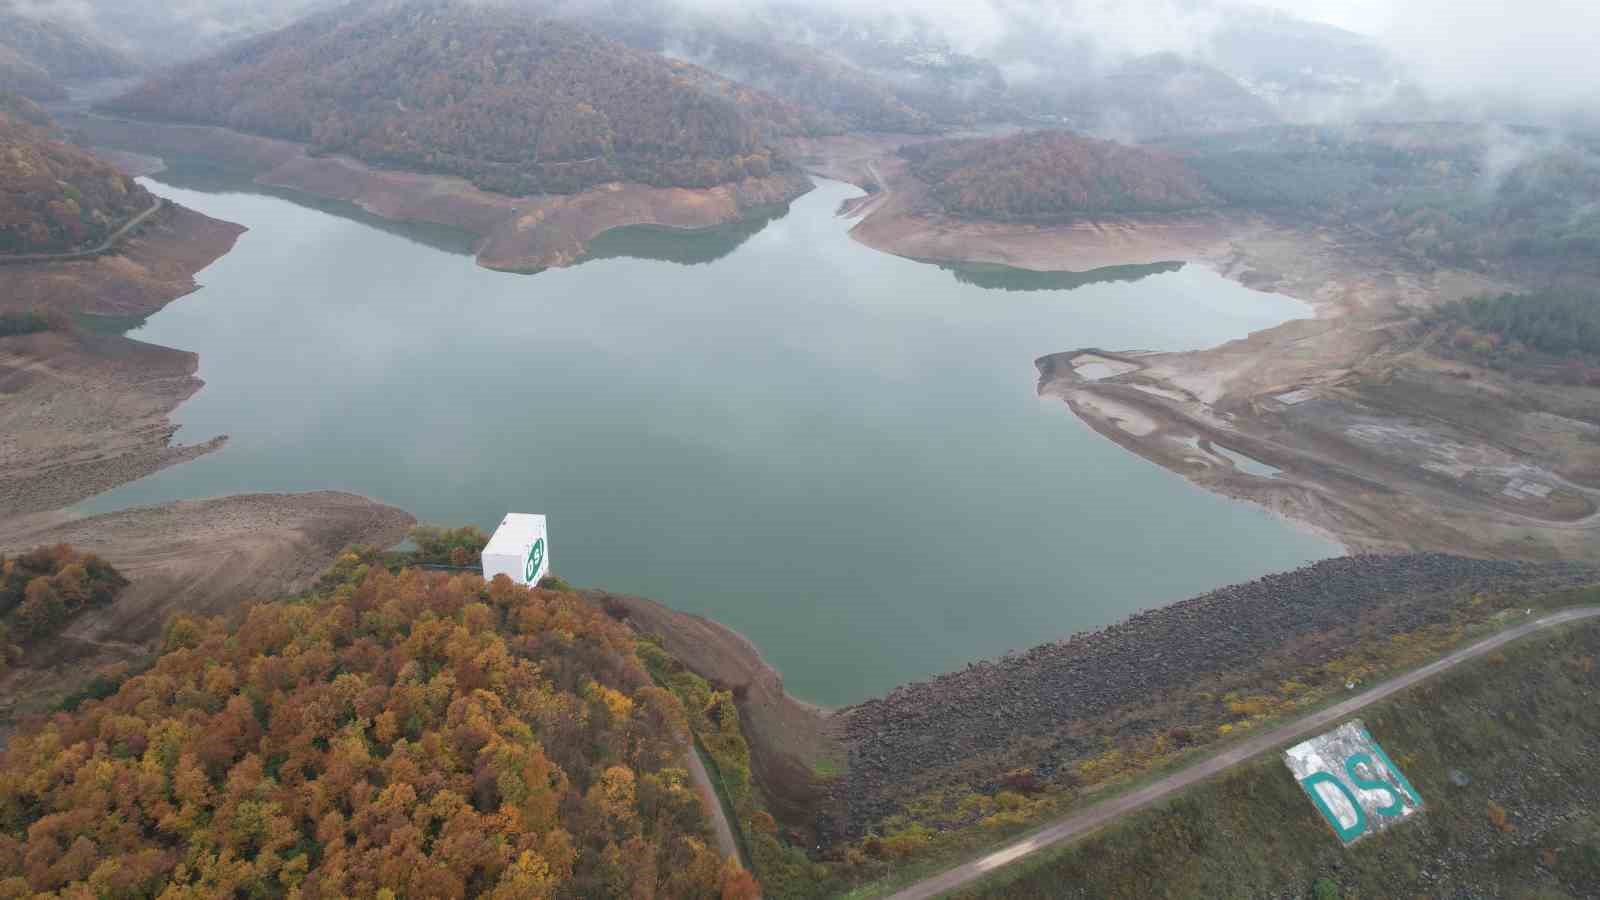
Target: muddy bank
{"x":150,"y":268}
{"x":790,"y":740}
{"x":81,"y":413}
{"x":517,"y":234}
{"x":1347,"y":423}
{"x":203,"y":557}
{"x":1046,"y":709}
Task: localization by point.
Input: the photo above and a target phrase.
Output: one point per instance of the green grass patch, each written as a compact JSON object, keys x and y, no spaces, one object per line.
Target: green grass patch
{"x":1520,"y":723}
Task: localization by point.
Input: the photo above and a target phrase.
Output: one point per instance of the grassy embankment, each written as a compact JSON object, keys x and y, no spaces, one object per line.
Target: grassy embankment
{"x":1520,"y":728}
{"x":938,"y":831}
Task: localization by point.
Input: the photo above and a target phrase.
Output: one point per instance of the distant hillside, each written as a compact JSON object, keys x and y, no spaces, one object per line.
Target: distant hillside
{"x":848,"y":98}
{"x":23,"y":76}
{"x":1161,"y":94}
{"x":55,"y":197}
{"x":517,"y":104}
{"x":1052,"y":176}
{"x":410,"y":734}
{"x":36,"y":55}
{"x":1458,"y":193}
{"x":165,"y":33}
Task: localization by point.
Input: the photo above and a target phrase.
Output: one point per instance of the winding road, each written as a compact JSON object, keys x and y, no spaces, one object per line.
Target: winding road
{"x":1092,"y":817}
{"x":96,"y":250}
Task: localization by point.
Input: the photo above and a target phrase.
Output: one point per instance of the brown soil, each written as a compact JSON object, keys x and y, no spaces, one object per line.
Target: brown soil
{"x":790,"y":740}
{"x":519,"y":234}
{"x":82,"y":413}
{"x":1377,"y":442}
{"x":151,"y":268}
{"x":203,"y":557}
{"x":1389,"y":449}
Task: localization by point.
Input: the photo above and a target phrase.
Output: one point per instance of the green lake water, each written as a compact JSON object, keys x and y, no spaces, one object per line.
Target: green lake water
{"x":838,"y":452}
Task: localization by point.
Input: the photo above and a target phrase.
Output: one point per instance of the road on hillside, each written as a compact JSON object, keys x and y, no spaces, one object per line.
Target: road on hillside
{"x":1094,"y":816}
{"x":708,"y":792}
{"x":97,"y":249}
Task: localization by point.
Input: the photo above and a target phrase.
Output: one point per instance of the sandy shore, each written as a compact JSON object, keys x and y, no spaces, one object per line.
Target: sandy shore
{"x":517,"y":234}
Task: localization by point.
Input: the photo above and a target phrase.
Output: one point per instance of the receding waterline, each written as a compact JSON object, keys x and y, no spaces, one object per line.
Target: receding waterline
{"x":838,"y":452}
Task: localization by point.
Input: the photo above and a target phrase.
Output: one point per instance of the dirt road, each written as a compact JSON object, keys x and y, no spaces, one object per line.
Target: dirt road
{"x":96,"y":250}
{"x":726,"y":845}
{"x":1099,"y":814}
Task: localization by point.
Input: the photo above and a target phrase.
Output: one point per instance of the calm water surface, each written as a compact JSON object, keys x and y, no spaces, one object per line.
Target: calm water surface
{"x":836,"y":451}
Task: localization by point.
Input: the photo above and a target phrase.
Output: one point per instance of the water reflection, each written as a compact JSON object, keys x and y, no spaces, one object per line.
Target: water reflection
{"x":1006,"y":278}
{"x":658,"y":244}
{"x":213,"y":178}
{"x":676,"y":245}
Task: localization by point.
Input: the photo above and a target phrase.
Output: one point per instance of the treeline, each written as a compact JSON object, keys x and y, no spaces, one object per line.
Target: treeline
{"x":1453,"y":193}
{"x":32,"y":321}
{"x":836,"y":96}
{"x":1053,"y":176}
{"x":516,"y":104}
{"x":42,"y":591}
{"x":395,"y":734}
{"x":55,"y":197}
{"x":1554,"y":331}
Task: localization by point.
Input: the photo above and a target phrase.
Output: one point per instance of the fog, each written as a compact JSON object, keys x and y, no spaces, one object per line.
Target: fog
{"x":1534,"y":54}
{"x":1531,"y":56}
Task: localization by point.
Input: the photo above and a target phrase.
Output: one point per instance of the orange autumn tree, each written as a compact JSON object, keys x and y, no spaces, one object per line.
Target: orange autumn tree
{"x":399,"y":734}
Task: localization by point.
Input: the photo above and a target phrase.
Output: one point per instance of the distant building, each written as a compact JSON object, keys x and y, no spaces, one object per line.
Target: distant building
{"x":519,"y":549}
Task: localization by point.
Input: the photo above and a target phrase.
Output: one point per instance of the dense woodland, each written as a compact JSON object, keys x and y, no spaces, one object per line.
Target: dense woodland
{"x":1551,"y":334}
{"x":517,"y":104}
{"x":1053,"y":176}
{"x":1453,"y":193}
{"x":405,"y":734}
{"x":55,"y":197}
{"x":42,"y":591}
{"x":841,"y":96}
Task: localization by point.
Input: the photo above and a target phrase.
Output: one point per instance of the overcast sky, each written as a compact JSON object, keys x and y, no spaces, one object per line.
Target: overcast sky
{"x":1528,"y":48}
{"x":1541,"y":51}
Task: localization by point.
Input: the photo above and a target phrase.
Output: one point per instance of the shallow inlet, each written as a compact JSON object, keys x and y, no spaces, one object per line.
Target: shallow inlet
{"x":838,"y":452}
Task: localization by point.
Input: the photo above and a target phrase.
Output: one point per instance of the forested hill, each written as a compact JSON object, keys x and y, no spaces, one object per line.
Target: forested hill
{"x":402,"y":734}
{"x":515,"y":103}
{"x":36,"y":55}
{"x":1053,"y":176}
{"x":55,"y":197}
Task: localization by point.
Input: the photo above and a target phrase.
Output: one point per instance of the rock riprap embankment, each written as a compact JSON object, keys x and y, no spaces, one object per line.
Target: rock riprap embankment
{"x":1054,"y":705}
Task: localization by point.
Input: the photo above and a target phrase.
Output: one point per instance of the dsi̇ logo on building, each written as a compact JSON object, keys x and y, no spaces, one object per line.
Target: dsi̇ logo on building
{"x":535,"y":560}
{"x":1352,"y":782}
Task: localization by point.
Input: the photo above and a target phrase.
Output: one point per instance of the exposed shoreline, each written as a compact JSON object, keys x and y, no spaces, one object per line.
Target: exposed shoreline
{"x":1384,"y":447}
{"x":516,"y":234}
{"x":85,"y":412}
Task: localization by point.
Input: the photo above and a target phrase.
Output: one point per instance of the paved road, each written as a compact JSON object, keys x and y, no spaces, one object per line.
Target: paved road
{"x":102,"y":247}
{"x":1099,"y":814}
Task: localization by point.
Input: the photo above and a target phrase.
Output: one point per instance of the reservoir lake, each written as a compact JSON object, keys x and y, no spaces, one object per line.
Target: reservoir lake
{"x":838,"y":452}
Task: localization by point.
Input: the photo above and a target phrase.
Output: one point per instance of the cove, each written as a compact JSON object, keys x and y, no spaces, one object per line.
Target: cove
{"x":837,"y":452}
